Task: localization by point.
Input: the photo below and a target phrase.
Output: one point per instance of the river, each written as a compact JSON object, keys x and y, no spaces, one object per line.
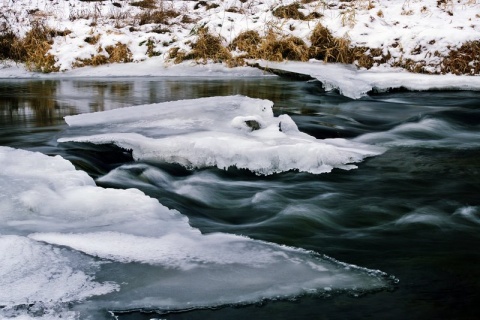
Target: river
{"x":412,"y":212}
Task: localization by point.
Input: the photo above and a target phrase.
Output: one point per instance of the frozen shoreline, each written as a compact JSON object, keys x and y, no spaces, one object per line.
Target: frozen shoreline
{"x":348,"y":80}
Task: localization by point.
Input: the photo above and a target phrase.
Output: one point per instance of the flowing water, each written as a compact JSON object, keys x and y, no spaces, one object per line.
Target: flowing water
{"x":412,"y":212}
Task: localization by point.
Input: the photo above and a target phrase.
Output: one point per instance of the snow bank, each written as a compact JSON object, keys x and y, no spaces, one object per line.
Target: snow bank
{"x":354,"y":83}
{"x":153,"y":67}
{"x":419,"y":31}
{"x":218,"y":132}
{"x":56,"y":204}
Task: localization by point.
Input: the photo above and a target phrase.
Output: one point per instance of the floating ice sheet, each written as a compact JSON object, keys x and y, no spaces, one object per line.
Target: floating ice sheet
{"x":57,"y":205}
{"x":218,"y":132}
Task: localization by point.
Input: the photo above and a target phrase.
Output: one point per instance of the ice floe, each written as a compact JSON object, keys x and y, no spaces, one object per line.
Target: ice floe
{"x":53,"y":204}
{"x":223,"y":132}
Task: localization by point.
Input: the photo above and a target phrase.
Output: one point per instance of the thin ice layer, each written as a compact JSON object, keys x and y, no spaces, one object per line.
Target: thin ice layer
{"x":31,"y":272}
{"x":181,"y":268}
{"x":215,"y":269}
{"x":218,"y":132}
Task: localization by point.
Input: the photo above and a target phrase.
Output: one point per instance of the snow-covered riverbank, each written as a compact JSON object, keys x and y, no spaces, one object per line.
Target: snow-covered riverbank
{"x":423,"y":36}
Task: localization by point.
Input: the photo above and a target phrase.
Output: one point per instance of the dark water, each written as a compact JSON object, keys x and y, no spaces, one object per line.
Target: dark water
{"x":413,"y":212}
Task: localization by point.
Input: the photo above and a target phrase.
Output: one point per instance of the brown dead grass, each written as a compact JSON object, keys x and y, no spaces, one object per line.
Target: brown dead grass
{"x":160,"y":16}
{"x":208,"y":47}
{"x":290,"y":12}
{"x":33,"y":49}
{"x":278,"y":48}
{"x":464,"y":60}
{"x":247,"y":41}
{"x":273,"y":47}
{"x":328,"y":48}
{"x":145,"y":4}
{"x":8,"y":39}
{"x":119,"y":53}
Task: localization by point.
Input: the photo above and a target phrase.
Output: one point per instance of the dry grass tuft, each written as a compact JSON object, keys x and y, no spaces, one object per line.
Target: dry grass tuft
{"x":464,"y":60}
{"x":8,"y":47}
{"x":176,"y":55}
{"x":159,"y":16}
{"x":247,"y":41}
{"x":116,"y":53}
{"x":289,"y":12}
{"x":33,"y":49}
{"x":145,"y":4}
{"x":328,"y":48}
{"x":272,"y":47}
{"x":278,"y":48}
{"x":368,"y":57}
{"x":207,"y":47}
{"x":119,"y":53}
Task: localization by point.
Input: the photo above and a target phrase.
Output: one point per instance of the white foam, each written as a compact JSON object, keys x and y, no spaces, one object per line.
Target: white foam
{"x":427,"y":132}
{"x":213,"y":132}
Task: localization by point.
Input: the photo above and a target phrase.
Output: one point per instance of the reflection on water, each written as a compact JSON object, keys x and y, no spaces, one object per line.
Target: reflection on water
{"x":46,"y":102}
{"x":413,"y":212}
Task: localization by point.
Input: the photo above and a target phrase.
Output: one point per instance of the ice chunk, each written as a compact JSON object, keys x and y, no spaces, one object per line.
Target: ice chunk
{"x":41,"y":193}
{"x":218,"y":132}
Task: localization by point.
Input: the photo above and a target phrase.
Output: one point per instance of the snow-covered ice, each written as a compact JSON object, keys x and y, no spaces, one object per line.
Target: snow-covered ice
{"x":214,"y":132}
{"x":354,"y":83}
{"x":53,"y":204}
